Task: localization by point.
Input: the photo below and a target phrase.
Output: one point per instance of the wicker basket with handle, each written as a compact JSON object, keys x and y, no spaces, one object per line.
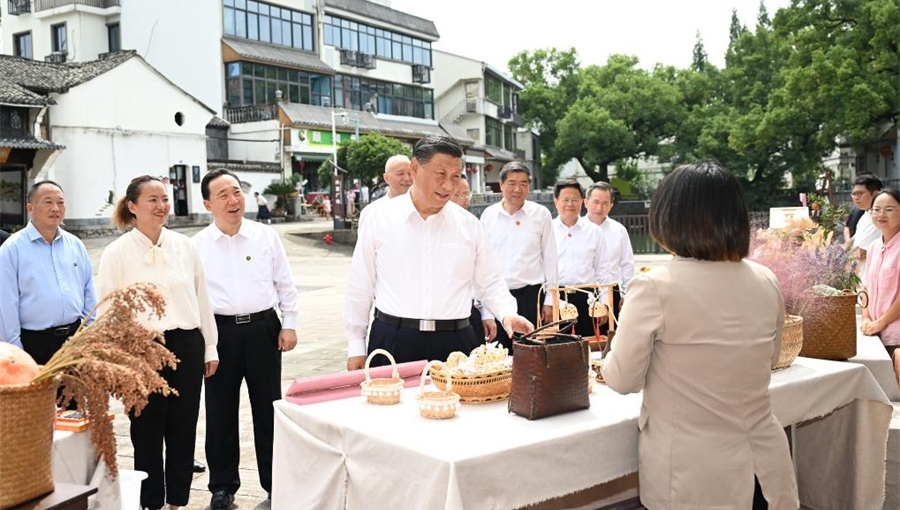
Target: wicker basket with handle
{"x":27,"y":414}
{"x":829,"y":327}
{"x":791,"y":341}
{"x":436,"y":405}
{"x":382,"y":391}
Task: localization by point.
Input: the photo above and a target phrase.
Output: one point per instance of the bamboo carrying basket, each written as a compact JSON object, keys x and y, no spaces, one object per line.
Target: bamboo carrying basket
{"x":596,"y":343}
{"x":791,"y":341}
{"x":382,"y":391}
{"x":829,"y":327}
{"x":27,"y":414}
{"x":436,"y":405}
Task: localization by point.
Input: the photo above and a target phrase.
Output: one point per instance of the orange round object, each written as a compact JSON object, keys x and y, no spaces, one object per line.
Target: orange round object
{"x":16,"y":365}
{"x":814,"y":206}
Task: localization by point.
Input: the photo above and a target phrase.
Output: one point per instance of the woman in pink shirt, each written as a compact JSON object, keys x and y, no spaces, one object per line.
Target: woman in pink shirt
{"x":883,"y":274}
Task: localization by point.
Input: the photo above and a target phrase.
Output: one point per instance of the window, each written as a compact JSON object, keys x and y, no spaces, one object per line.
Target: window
{"x":493,"y":89}
{"x":14,"y":121}
{"x":58,"y":38}
{"x":509,"y":138}
{"x":492,"y":132}
{"x":248,"y":84}
{"x":114,"y":37}
{"x":349,"y":35}
{"x":248,"y":19}
{"x":22,"y":45}
{"x":354,"y":93}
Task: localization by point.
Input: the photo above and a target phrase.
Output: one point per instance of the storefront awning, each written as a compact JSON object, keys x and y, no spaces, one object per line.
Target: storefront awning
{"x":234,"y":49}
{"x":310,"y":156}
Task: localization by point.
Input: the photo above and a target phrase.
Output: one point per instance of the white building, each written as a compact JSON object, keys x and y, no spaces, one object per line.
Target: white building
{"x":109,"y":120}
{"x":477,"y":99}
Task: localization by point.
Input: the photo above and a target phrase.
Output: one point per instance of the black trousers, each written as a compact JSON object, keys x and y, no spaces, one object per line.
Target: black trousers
{"x":413,"y":345}
{"x":42,"y":346}
{"x":617,"y":306}
{"x":526,"y":306}
{"x":477,"y":325}
{"x":246,"y":351}
{"x":171,"y":421}
{"x":585,"y":325}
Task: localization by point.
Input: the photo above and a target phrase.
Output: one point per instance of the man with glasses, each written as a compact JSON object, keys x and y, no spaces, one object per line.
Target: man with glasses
{"x":418,"y":260}
{"x":865,"y":187}
{"x":520,"y":233}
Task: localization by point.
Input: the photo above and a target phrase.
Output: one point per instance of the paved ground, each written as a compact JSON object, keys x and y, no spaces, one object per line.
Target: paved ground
{"x":320,"y":274}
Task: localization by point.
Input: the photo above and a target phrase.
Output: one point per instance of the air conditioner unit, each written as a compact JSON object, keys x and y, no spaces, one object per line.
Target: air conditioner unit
{"x":365,"y":60}
{"x":472,"y":106}
{"x":326,"y":101}
{"x":17,"y":7}
{"x":348,"y":57}
{"x":421,"y":73}
{"x":57,"y":57}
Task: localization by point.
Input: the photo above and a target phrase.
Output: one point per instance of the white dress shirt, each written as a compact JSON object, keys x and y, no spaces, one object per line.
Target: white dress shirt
{"x":524,"y":243}
{"x":866,"y":235}
{"x":420,"y":269}
{"x":617,"y":246}
{"x":247,"y":272}
{"x":581,"y":252}
{"x":174,"y":266}
{"x":370,"y":210}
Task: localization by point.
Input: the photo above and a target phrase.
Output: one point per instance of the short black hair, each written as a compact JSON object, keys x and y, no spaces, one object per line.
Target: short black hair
{"x":211,"y":176}
{"x":568,"y":183}
{"x":427,"y":147}
{"x":514,"y":166}
{"x":888,"y":191}
{"x":34,"y":189}
{"x":699,"y":211}
{"x":871,"y":182}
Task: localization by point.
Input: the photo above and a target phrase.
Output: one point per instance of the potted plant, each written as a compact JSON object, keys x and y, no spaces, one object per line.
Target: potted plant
{"x":282,"y":192}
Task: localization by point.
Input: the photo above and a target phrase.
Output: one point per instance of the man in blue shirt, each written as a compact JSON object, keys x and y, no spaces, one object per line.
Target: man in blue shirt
{"x":46,"y":281}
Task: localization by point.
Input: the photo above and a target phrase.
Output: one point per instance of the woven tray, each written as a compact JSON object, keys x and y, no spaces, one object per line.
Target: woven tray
{"x":382,"y":391}
{"x":477,"y":388}
{"x":27,"y":414}
{"x":791,"y":341}
{"x":436,"y":405}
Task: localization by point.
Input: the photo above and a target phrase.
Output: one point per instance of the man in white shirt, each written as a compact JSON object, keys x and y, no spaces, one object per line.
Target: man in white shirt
{"x":247,"y":273}
{"x":396,"y":175}
{"x":865,"y":187}
{"x":520,"y":233}
{"x":580,"y":252}
{"x":616,"y":242}
{"x":419,"y":260}
{"x":364,"y":194}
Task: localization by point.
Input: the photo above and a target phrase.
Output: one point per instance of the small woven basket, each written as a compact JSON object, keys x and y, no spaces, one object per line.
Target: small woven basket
{"x":436,"y":405}
{"x":27,"y":414}
{"x":791,"y":341}
{"x":477,"y":388}
{"x":829,"y":327}
{"x":382,"y":391}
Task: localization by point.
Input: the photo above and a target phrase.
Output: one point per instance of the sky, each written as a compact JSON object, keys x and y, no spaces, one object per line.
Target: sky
{"x":656,"y":31}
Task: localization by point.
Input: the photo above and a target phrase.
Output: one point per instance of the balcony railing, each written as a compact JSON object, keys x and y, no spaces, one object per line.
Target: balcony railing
{"x":17,"y":7}
{"x":254,"y":113}
{"x":43,"y":5}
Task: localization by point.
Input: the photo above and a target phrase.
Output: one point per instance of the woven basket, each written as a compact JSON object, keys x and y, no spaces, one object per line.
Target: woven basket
{"x":791,"y":341}
{"x":436,"y":405}
{"x":829,"y":327}
{"x":382,"y":391}
{"x":27,"y":413}
{"x":477,"y":388}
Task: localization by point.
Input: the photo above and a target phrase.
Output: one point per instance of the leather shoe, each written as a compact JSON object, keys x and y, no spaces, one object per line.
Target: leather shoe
{"x":221,"y":500}
{"x":199,"y":467}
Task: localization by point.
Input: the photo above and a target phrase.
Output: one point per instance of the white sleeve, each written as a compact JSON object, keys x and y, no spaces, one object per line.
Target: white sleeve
{"x":489,"y":284}
{"x":360,"y":294}
{"x":549,"y":258}
{"x":626,"y":260}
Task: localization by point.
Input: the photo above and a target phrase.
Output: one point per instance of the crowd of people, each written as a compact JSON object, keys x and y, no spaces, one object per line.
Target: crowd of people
{"x":428,"y":278}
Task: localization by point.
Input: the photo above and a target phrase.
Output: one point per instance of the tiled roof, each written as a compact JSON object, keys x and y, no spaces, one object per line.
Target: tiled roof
{"x":277,"y":55}
{"x":12,"y":94}
{"x":458,"y":133}
{"x":218,"y":122}
{"x":320,"y":116}
{"x":29,"y":142}
{"x":38,"y":76}
{"x":386,"y":15}
{"x":499,"y":154}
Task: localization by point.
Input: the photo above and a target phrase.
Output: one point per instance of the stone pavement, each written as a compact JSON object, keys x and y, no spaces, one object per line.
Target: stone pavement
{"x":320,"y":274}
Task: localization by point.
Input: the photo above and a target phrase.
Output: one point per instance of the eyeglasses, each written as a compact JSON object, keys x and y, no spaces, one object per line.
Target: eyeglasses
{"x":886,"y":211}
{"x":464,"y":195}
{"x":569,"y":201}
{"x":857,"y":194}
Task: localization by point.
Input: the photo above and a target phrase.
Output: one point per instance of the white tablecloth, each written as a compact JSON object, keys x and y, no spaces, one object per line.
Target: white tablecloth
{"x":73,"y":462}
{"x":871,"y":353}
{"x":347,"y":454}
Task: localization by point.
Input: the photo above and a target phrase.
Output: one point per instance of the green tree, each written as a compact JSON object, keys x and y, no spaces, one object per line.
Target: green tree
{"x":700,"y":57}
{"x":364,"y":159}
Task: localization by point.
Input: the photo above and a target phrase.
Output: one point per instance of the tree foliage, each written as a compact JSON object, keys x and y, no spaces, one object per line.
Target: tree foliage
{"x":816,"y":74}
{"x":364,"y":159}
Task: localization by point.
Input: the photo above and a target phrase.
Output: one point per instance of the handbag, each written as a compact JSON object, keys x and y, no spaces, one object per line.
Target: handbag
{"x":548,"y":373}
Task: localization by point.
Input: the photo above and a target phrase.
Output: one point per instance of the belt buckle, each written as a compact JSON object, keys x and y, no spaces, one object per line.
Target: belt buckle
{"x":242,"y":319}
{"x":61,"y":331}
{"x":426,"y":325}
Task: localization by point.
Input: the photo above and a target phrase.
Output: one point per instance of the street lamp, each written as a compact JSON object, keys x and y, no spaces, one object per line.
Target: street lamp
{"x":337,"y":201}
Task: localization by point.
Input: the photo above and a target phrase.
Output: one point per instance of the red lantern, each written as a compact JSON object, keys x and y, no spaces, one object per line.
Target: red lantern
{"x":885,"y":150}
{"x":488,"y":167}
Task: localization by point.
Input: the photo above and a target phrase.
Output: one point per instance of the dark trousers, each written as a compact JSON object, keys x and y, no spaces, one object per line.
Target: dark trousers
{"x":759,"y":501}
{"x":477,"y":325}
{"x":41,"y":346}
{"x":585,"y":325}
{"x":526,"y":306}
{"x":617,"y":306}
{"x":171,"y":420}
{"x":246,"y":351}
{"x":413,"y":345}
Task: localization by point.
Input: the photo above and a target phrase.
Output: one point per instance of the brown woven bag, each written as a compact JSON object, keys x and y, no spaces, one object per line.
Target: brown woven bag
{"x":548,"y":374}
{"x":27,"y":414}
{"x":829,"y":327}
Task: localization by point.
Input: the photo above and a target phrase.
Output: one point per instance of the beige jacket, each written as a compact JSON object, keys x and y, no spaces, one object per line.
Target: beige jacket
{"x":699,"y":339}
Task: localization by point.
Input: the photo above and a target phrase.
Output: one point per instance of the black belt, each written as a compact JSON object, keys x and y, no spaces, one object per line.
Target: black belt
{"x":422,"y":324}
{"x":57,"y":331}
{"x":244,"y":318}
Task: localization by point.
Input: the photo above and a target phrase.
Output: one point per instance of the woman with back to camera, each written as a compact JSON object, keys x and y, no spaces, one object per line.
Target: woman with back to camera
{"x":699,"y":336}
{"x":883,"y":273}
{"x":151,"y":253}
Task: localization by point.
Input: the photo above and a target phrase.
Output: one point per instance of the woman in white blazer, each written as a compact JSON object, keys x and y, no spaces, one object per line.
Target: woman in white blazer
{"x":699,"y":336}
